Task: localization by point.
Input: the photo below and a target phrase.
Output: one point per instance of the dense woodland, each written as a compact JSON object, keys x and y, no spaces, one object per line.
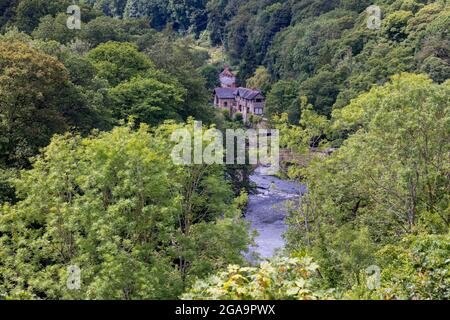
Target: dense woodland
{"x":86,"y":177}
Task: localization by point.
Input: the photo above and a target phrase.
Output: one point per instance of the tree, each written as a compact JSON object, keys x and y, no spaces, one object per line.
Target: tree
{"x":7,"y":8}
{"x":301,"y":50}
{"x":438,"y":69}
{"x":51,"y":28}
{"x":147,"y":100}
{"x":309,"y":133}
{"x":211,"y":75}
{"x":284,"y":98}
{"x":33,"y":106}
{"x":220,"y":12}
{"x":29,"y":12}
{"x":117,"y":62}
{"x":114,"y":8}
{"x":157,"y":11}
{"x":322,"y":90}
{"x":388,"y":178}
{"x":278,"y":279}
{"x":103,"y":29}
{"x":394,"y":26}
{"x":188,"y":14}
{"x":415,"y":268}
{"x":132,"y":9}
{"x":176,"y":57}
{"x":261,"y":80}
{"x":113,"y":204}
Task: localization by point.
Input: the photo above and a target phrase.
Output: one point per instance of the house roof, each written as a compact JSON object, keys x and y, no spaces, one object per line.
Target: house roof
{"x":224,"y":93}
{"x":227,"y":72}
{"x":227,"y":81}
{"x":247,"y":94}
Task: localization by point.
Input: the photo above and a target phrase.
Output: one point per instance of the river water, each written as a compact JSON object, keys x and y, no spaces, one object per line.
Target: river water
{"x":267,"y":210}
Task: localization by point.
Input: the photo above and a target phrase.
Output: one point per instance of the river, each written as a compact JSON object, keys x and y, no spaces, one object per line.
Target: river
{"x":267,"y":211}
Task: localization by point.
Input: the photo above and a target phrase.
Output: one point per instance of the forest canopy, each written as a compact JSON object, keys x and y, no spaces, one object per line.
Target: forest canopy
{"x":86,"y":177}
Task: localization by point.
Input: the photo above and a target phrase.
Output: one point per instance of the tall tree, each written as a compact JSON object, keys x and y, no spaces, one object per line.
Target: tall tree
{"x":36,"y":101}
{"x":114,"y":205}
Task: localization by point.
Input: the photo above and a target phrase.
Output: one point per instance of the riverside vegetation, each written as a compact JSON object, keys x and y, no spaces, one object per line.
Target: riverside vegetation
{"x":86,"y":177}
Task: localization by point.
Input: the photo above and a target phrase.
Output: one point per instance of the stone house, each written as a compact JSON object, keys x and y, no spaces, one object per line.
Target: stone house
{"x":243,"y":100}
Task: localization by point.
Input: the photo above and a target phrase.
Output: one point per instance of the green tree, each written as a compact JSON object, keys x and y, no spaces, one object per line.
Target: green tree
{"x":261,"y":80}
{"x":437,"y":68}
{"x":394,"y":26}
{"x":36,"y":101}
{"x":103,"y":29}
{"x":211,"y":75}
{"x":147,"y":99}
{"x":7,"y":9}
{"x":284,"y":98}
{"x":388,"y":178}
{"x":29,"y":12}
{"x":220,"y":12}
{"x":189,"y":14}
{"x":138,"y":226}
{"x":117,"y":62}
{"x":132,"y":9}
{"x":278,"y":279}
{"x":176,"y":57}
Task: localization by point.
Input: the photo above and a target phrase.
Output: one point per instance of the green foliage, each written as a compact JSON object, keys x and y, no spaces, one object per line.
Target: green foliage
{"x":250,"y":33}
{"x":7,"y":9}
{"x":142,"y":228}
{"x":278,"y":279}
{"x":113,"y":204}
{"x":309,"y":132}
{"x":42,"y":103}
{"x":179,"y":59}
{"x":117,"y":62}
{"x":238,"y":117}
{"x":51,"y":28}
{"x":260,"y":80}
{"x":301,"y":50}
{"x":333,"y":67}
{"x":81,"y":70}
{"x":394,"y":26}
{"x":103,"y":29}
{"x":29,"y":12}
{"x":437,"y":68}
{"x":389,"y":179}
{"x":417,"y":268}
{"x":220,"y":13}
{"x":210,"y":73}
{"x":184,"y":15}
{"x":284,"y":98}
{"x":147,"y":100}
{"x":7,"y":192}
{"x":322,"y":90}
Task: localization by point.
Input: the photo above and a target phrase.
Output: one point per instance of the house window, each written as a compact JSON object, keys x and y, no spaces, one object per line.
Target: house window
{"x":258,"y":111}
{"x":258,"y":100}
{"x":225,"y":104}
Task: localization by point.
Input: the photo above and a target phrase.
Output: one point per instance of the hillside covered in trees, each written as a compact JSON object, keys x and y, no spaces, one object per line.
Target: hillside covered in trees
{"x":86,"y":177}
